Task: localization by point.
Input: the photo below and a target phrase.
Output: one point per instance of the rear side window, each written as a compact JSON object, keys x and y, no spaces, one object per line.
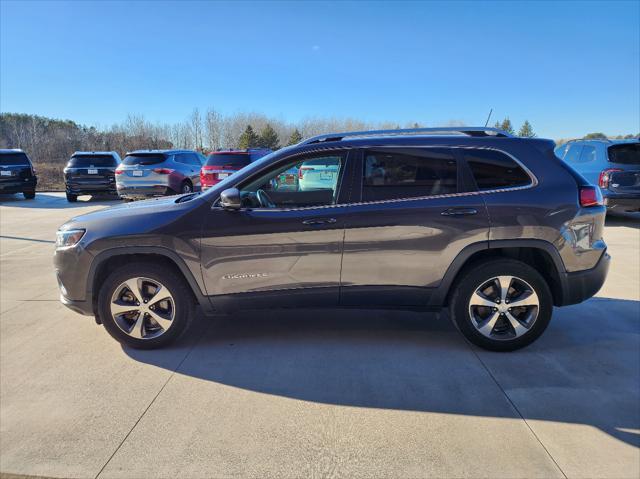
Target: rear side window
{"x":625,"y":153}
{"x":234,"y":160}
{"x":587,"y":154}
{"x":82,"y":161}
{"x":408,"y":174}
{"x":17,"y":159}
{"x":494,"y":170}
{"x":142,"y":159}
{"x":573,"y":153}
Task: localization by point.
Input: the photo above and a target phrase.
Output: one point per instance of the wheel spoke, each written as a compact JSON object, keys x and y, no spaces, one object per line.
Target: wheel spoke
{"x":486,"y":326}
{"x":504,"y":283}
{"x":133,"y":285}
{"x":160,"y":295}
{"x":525,"y":299}
{"x":136,"y":330}
{"x":478,"y":299}
{"x":118,"y":308}
{"x":163,"y":322}
{"x":517,"y":326}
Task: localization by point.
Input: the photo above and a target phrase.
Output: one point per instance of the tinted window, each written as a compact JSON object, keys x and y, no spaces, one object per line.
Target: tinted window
{"x":183,"y":158}
{"x":143,"y":159}
{"x":573,"y":153}
{"x":492,"y":170}
{"x":235,"y":160}
{"x":7,"y":159}
{"x":82,"y":161}
{"x":587,"y":154}
{"x":625,"y":153}
{"x":392,"y":174}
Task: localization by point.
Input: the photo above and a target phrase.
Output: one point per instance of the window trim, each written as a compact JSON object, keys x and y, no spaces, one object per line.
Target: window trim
{"x":456,"y":150}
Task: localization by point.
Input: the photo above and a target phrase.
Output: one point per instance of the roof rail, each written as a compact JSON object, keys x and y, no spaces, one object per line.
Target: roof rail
{"x":465,"y":130}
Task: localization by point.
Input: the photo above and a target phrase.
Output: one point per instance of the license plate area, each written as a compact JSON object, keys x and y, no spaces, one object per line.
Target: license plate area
{"x":92,"y":172}
{"x":5,"y":173}
{"x":136,"y":173}
{"x":326,"y":175}
{"x":223,"y":175}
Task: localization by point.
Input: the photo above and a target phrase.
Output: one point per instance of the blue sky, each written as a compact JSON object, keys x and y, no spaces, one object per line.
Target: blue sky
{"x":570,"y":68}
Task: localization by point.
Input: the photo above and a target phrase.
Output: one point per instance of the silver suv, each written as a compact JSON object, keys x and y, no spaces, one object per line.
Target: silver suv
{"x":145,"y":173}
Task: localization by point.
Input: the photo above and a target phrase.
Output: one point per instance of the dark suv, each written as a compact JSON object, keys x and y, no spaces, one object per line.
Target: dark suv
{"x":17,"y":174}
{"x":91,"y":173}
{"x":496,"y":228}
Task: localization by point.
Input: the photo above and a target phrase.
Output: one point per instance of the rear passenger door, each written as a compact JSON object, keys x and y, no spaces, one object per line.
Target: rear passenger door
{"x":416,"y":212}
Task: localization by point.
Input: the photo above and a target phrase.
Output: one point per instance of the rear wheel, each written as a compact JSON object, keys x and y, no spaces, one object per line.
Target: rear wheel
{"x":501,"y":305}
{"x":72,"y":198}
{"x":29,"y":195}
{"x":145,"y":306}
{"x":186,"y":187}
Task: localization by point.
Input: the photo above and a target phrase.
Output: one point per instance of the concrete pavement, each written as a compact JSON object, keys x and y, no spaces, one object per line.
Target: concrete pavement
{"x":319,"y":394}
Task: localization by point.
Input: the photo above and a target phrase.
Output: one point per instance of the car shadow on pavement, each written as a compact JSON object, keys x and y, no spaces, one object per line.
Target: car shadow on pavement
{"x":629,"y":220}
{"x":583,"y":370}
{"x":56,"y":201}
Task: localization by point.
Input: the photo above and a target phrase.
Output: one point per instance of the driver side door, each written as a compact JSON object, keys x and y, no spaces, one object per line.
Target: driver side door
{"x":285,"y":253}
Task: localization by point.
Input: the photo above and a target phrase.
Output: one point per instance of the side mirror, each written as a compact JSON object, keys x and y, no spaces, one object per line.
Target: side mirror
{"x":230,"y":199}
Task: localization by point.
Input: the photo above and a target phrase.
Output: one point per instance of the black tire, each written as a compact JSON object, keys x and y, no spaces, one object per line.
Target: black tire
{"x":171,"y":279}
{"x":484,"y":271}
{"x":72,"y":198}
{"x":29,"y":195}
{"x":186,"y":187}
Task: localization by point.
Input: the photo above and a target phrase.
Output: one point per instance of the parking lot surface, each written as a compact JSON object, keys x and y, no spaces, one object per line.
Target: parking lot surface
{"x":339,"y":393}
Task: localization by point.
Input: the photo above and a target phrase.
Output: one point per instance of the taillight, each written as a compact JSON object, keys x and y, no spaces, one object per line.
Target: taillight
{"x":302,"y":170}
{"x":605,"y":177}
{"x":590,"y":196}
{"x":119,"y":172}
{"x":162,"y":171}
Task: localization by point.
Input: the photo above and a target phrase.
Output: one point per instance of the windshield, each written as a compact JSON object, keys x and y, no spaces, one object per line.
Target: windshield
{"x":11,"y":159}
{"x":82,"y":161}
{"x":625,"y":153}
{"x":143,"y":159}
{"x":235,"y":160}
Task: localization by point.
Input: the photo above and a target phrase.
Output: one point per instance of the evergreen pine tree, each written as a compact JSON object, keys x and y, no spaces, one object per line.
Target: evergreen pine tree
{"x":295,"y":138}
{"x":526,"y":131}
{"x":248,"y":139}
{"x":268,"y":138}
{"x":506,"y":126}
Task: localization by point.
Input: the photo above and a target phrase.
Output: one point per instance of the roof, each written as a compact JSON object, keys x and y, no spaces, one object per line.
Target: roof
{"x":82,"y":153}
{"x":159,"y":152}
{"x":468,"y":131}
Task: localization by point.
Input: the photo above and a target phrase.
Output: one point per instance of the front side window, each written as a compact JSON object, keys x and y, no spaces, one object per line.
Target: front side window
{"x":408,"y":174}
{"x":304,"y":182}
{"x":495,"y":170}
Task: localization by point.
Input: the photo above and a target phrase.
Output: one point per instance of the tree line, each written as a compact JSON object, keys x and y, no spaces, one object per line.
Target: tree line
{"x":51,"y":142}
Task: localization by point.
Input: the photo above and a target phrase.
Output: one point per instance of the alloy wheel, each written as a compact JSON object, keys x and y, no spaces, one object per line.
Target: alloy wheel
{"x":504,"y":307}
{"x":143,"y":308}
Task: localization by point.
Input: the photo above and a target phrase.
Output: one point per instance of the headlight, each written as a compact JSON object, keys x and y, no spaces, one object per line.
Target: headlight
{"x":67,"y":238}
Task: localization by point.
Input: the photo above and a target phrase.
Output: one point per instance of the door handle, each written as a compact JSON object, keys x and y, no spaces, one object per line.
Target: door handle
{"x":459,"y":212}
{"x":319,"y":221}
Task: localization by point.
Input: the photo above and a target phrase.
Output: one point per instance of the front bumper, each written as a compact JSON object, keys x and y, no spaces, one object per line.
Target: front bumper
{"x":579,"y":286}
{"x":72,"y":266}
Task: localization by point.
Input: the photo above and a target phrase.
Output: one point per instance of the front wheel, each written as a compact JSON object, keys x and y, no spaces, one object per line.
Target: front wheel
{"x":501,"y":304}
{"x":145,"y":306}
{"x":186,"y":187}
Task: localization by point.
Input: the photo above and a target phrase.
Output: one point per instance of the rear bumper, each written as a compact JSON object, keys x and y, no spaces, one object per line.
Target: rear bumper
{"x":89,"y":188}
{"x":144,"y":191}
{"x":582,"y":285}
{"x":18,"y":185}
{"x":623,"y":202}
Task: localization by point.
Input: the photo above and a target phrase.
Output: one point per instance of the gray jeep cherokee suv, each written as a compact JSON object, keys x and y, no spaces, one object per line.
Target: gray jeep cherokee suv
{"x":495,"y":228}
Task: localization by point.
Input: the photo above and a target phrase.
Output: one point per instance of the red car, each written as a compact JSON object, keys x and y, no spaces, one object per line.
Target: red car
{"x":221,"y":164}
